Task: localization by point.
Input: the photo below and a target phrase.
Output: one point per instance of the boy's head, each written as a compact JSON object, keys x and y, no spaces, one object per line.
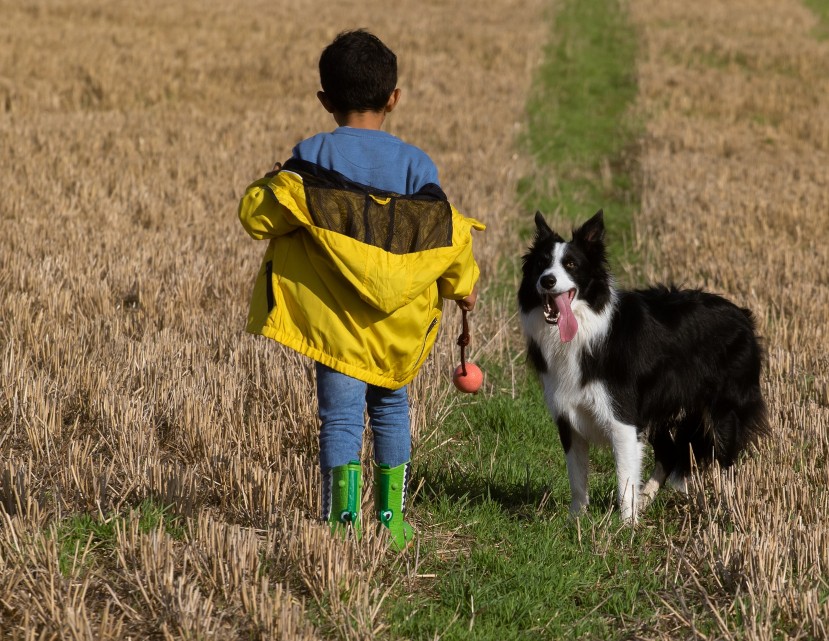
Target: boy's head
{"x":358,"y":72}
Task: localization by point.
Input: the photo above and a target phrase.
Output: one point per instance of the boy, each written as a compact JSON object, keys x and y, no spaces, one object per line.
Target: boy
{"x":364,"y":246}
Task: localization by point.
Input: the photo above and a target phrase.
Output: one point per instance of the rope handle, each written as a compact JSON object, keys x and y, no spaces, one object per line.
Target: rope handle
{"x":463,"y":341}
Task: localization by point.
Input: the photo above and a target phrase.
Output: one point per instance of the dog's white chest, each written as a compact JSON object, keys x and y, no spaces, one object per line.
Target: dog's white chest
{"x":588,"y":408}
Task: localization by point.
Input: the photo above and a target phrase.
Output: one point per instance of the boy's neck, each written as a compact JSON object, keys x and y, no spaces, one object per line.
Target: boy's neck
{"x":361,"y":119}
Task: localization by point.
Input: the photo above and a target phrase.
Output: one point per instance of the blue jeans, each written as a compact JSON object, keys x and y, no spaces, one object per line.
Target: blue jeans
{"x":342,"y":403}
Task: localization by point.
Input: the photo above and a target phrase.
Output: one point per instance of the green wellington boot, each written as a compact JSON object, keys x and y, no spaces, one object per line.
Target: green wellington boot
{"x":342,"y":489}
{"x":390,"y":502}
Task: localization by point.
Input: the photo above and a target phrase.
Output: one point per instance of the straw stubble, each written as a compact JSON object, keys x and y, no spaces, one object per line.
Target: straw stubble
{"x":129,"y":132}
{"x":736,"y":170}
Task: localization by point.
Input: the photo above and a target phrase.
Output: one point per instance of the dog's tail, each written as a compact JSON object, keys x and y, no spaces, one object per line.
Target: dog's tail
{"x":726,"y":431}
{"x":736,"y":417}
{"x":734,"y":430}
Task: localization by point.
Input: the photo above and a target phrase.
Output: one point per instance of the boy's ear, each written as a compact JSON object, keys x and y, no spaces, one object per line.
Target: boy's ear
{"x":329,"y":107}
{"x":394,"y":98}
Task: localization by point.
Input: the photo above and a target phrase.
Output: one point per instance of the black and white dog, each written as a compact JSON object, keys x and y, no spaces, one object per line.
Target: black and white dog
{"x":678,"y":368}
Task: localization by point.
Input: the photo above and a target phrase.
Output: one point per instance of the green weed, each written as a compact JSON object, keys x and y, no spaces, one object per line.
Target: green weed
{"x":529,"y":570}
{"x":96,"y":533}
{"x":821,"y":9}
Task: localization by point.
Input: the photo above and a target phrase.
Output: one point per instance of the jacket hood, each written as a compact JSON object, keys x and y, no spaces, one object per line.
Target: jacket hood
{"x":389,"y":247}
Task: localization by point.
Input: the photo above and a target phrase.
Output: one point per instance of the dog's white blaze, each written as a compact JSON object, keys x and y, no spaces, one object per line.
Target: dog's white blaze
{"x":556,"y":269}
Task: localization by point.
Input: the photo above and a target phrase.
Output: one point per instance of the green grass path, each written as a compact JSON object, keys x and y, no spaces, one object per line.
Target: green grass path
{"x":498,"y":494}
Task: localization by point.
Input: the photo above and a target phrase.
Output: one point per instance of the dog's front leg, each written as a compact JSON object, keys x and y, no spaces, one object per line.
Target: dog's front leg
{"x":576,"y":450}
{"x":627,"y":450}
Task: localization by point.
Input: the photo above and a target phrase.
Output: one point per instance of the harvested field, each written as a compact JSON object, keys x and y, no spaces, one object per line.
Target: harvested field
{"x":158,"y":465}
{"x":128,"y":134}
{"x":736,"y":199}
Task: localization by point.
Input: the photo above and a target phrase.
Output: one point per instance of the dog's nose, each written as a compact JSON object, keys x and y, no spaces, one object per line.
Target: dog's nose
{"x":547,"y":281}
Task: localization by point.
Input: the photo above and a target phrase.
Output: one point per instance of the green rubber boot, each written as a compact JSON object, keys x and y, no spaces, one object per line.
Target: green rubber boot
{"x":390,"y":502}
{"x":342,"y":489}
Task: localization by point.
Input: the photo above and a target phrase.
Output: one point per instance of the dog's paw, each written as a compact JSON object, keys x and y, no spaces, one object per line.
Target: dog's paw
{"x":648,"y":494}
{"x":577,"y":508}
{"x":630,"y":507}
{"x":678,"y":482}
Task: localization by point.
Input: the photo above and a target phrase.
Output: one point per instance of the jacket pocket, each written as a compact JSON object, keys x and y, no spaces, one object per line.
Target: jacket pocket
{"x":269,"y":284}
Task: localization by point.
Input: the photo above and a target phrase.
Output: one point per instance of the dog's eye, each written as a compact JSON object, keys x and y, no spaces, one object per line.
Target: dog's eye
{"x":569,"y":264}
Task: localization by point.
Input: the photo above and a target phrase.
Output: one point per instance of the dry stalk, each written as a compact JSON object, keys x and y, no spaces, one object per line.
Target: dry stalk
{"x":736,"y":163}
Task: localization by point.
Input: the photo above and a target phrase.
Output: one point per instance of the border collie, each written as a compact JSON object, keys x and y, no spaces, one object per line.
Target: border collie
{"x":678,"y":368}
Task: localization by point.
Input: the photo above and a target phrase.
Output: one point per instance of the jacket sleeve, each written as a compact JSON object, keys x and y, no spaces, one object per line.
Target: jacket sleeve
{"x":260,"y":212}
{"x":460,"y":277}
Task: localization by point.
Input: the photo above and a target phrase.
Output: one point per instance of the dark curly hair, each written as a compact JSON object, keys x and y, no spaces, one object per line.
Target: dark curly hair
{"x":358,"y":72}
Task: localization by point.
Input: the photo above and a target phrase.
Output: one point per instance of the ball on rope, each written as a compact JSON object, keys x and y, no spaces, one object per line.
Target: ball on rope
{"x":470,"y":382}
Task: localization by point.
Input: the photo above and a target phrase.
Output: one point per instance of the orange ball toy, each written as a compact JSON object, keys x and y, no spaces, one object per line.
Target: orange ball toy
{"x":471,"y":382}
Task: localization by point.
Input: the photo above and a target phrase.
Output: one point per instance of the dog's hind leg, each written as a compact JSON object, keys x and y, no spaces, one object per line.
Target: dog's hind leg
{"x":665,"y":459}
{"x":627,"y":450}
{"x":678,"y":481}
{"x":656,"y":481}
{"x":576,"y":452}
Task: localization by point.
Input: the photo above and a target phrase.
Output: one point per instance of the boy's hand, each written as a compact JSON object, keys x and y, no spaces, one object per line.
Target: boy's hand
{"x":468,"y":303}
{"x":276,"y":168}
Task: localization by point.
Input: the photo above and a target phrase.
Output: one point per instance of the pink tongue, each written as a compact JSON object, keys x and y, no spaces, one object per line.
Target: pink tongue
{"x":567,"y":323}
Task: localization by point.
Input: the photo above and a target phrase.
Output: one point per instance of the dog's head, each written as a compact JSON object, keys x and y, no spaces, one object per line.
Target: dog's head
{"x":563,"y":277}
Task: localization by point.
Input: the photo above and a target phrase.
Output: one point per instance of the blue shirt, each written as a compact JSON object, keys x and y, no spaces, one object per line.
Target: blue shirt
{"x":370,"y":157}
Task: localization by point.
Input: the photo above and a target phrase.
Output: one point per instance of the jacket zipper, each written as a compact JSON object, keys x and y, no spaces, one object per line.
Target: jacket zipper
{"x":425,"y":337}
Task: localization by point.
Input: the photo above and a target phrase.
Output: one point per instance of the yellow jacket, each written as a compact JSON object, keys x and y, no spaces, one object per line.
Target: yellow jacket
{"x":355,"y":278}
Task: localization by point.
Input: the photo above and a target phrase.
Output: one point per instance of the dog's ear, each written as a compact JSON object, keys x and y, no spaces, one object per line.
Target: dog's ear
{"x":541,"y":227}
{"x":592,"y":231}
{"x":543,"y":230}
